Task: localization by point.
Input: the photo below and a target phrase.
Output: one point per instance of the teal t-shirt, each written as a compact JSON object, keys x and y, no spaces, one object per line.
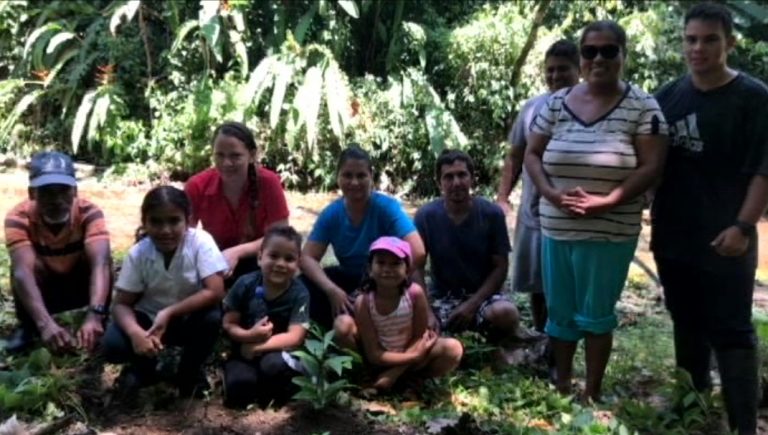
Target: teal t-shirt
{"x":384,"y":217}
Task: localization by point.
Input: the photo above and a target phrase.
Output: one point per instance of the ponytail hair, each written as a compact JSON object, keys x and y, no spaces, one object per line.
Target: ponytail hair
{"x":241,"y":132}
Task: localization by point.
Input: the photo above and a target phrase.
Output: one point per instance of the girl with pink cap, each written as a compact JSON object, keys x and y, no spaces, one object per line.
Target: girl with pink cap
{"x":391,"y":317}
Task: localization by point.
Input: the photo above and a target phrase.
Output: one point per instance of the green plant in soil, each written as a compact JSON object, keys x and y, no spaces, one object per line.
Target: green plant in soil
{"x":320,"y":365}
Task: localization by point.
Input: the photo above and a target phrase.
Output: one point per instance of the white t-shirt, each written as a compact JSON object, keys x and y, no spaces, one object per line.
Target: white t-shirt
{"x":144,"y":271}
{"x":597,"y":157}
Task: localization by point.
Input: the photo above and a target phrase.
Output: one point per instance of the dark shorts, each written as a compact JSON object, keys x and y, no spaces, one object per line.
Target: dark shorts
{"x":443,"y":307}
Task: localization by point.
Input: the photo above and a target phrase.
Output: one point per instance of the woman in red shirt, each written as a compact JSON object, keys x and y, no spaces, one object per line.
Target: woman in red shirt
{"x":237,"y":200}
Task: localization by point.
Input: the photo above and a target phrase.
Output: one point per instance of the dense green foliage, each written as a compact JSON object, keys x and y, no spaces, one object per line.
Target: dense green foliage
{"x":145,"y":82}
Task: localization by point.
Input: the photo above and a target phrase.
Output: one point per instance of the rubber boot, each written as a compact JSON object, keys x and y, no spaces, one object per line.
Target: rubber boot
{"x":738,"y":373}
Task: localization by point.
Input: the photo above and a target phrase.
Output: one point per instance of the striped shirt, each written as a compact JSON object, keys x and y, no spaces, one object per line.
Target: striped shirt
{"x":597,"y":157}
{"x":395,"y":329}
{"x":58,"y":252}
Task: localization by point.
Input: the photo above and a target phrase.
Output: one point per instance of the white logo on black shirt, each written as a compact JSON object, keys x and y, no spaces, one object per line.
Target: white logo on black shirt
{"x":685,"y":133}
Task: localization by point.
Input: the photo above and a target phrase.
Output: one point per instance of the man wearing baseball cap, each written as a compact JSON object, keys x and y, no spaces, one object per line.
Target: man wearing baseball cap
{"x":60,"y":258}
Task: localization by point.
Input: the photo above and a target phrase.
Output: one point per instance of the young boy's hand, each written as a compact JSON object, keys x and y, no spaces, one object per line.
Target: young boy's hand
{"x":261,"y":331}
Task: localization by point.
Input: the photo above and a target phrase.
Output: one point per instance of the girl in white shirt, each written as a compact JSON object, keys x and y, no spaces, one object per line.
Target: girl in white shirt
{"x":168,"y":292}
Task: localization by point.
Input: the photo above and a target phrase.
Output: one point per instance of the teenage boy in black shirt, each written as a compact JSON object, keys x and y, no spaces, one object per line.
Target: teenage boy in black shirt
{"x":714,"y":190}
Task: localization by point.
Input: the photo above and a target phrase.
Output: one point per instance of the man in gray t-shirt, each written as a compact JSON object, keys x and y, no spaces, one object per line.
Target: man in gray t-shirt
{"x":561,"y":69}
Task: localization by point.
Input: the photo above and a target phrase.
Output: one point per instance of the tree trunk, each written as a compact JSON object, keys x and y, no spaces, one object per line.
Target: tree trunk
{"x":538,"y":20}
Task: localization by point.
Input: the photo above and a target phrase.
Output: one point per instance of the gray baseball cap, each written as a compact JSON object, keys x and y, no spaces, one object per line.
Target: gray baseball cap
{"x":51,"y":167}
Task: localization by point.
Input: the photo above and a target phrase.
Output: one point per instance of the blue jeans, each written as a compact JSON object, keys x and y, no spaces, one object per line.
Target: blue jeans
{"x":195,"y":333}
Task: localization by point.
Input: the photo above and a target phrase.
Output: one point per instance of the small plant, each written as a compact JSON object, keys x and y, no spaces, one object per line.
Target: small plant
{"x":35,"y":386}
{"x":319,"y":366}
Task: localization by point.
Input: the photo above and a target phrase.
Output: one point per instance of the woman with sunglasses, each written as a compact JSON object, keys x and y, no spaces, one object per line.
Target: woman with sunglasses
{"x":594,"y":149}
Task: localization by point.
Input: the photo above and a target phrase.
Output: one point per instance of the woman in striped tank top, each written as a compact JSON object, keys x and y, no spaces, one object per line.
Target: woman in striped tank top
{"x":392,"y":319}
{"x":593,"y":150}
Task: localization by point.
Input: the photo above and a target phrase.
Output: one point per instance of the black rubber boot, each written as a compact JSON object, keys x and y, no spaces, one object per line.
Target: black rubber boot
{"x":738,"y":373}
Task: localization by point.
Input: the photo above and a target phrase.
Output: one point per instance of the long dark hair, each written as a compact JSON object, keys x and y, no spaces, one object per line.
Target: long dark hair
{"x":241,"y":132}
{"x":161,"y":196}
{"x":368,"y":284}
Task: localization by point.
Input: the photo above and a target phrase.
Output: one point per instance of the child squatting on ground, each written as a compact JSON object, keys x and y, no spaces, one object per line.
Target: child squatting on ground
{"x":391,"y":314}
{"x":168,"y":292}
{"x":266,"y":312}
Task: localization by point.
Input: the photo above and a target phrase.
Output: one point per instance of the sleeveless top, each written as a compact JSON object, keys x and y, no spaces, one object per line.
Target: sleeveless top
{"x":395,"y":329}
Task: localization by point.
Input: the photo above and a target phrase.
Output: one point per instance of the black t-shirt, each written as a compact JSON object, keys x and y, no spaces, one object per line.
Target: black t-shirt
{"x":248,"y":298}
{"x":719,"y":141}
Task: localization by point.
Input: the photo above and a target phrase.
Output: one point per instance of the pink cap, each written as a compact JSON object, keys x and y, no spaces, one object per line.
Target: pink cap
{"x":399,"y":247}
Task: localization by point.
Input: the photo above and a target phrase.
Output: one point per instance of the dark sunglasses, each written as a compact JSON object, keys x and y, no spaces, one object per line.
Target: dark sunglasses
{"x":590,"y":52}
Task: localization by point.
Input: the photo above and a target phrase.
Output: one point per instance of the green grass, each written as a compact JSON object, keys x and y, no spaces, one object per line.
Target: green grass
{"x":642,"y":391}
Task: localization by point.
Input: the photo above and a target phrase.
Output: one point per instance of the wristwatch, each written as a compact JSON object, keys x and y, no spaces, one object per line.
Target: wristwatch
{"x":746,"y":228}
{"x":100,"y":309}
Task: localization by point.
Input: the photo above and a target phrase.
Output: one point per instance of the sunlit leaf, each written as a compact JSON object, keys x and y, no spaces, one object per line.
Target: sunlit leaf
{"x":237,"y":20}
{"x":240,"y":51}
{"x":433,"y":118}
{"x":57,"y":40}
{"x":211,"y":31}
{"x":208,"y":10}
{"x":259,"y":81}
{"x":98,"y":114}
{"x":36,"y":34}
{"x":127,"y":11}
{"x":81,"y":118}
{"x":284,"y":73}
{"x":307,"y":102}
{"x":39,"y":50}
{"x":18,"y":110}
{"x":350,"y":7}
{"x":336,"y":99}
{"x":181,"y":34}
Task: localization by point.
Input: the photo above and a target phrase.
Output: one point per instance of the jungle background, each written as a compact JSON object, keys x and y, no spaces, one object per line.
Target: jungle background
{"x":134,"y":89}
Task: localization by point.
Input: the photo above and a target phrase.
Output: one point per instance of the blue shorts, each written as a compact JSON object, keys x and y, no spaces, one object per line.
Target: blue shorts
{"x":583,"y":280}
